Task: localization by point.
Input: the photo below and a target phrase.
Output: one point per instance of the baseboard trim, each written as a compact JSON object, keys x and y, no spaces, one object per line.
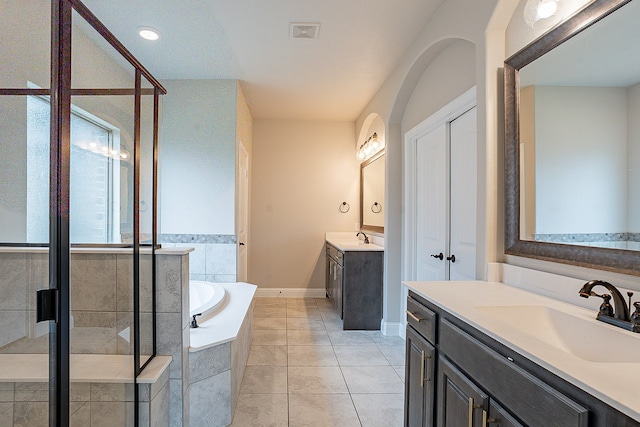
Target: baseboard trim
{"x":391,"y":328}
{"x":290,"y":293}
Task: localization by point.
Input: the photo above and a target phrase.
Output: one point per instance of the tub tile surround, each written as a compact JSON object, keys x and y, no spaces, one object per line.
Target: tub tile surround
{"x":218,"y":357}
{"x":213,"y":258}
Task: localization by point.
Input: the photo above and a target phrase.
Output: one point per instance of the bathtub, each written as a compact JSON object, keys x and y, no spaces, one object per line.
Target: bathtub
{"x":205,"y":297}
{"x":222,"y":314}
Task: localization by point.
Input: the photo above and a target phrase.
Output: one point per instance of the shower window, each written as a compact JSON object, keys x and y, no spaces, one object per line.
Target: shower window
{"x":96,"y":158}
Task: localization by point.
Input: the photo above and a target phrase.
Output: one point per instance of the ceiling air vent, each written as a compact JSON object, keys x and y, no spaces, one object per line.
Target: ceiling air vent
{"x":304,"y":30}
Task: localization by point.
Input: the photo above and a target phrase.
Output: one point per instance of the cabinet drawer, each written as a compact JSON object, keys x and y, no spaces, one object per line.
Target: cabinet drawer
{"x":534,"y":402}
{"x":422,"y":319}
{"x":335,"y":254}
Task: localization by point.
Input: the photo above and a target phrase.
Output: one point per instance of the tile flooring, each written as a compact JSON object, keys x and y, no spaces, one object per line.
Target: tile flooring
{"x":304,"y":370}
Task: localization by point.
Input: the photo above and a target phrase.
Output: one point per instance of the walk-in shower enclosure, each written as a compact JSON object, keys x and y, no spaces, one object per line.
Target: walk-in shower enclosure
{"x":78,"y":224}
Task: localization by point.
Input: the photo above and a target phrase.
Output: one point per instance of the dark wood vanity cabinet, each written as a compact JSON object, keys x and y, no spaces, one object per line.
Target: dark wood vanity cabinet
{"x":354,"y":285}
{"x":420,"y":384}
{"x":480,"y":382}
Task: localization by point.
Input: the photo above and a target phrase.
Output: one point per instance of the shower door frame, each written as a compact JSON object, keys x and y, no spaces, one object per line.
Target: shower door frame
{"x":60,"y":94}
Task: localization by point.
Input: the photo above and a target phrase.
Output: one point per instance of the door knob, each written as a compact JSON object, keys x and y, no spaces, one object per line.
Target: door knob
{"x":439,"y":256}
{"x":451,"y":258}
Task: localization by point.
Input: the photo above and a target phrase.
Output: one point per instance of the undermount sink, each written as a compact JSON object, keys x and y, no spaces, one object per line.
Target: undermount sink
{"x":587,"y":339}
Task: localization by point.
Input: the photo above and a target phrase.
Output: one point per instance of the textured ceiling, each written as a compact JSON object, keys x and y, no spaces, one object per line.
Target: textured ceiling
{"x":331,"y":78}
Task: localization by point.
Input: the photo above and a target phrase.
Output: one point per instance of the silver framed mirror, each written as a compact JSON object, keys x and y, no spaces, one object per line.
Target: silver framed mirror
{"x":533,"y":219}
{"x":372,"y":191}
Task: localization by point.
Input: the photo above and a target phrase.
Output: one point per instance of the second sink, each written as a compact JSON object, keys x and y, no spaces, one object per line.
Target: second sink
{"x":584,"y":338}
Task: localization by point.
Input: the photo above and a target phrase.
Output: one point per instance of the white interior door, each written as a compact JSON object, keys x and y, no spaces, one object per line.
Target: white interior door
{"x":243,"y":212}
{"x":432,"y":204}
{"x":463,"y":134}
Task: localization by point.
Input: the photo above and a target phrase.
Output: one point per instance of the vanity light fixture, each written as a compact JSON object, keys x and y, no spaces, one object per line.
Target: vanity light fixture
{"x":148,"y":33}
{"x":370,"y":147}
{"x":543,"y":14}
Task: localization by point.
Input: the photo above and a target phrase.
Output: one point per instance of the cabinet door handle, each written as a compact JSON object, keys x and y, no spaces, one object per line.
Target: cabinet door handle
{"x":471,"y":408}
{"x":413,"y":316}
{"x":451,"y":258}
{"x":424,"y":367}
{"x":422,"y":370}
{"x":486,"y":420}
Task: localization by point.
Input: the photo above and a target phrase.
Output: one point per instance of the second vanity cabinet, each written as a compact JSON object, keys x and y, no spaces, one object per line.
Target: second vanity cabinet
{"x":458,"y":376}
{"x":354,"y":285}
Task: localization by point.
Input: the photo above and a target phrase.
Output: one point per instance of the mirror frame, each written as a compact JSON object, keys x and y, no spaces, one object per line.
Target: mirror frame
{"x":618,"y":260}
{"x":364,"y":227}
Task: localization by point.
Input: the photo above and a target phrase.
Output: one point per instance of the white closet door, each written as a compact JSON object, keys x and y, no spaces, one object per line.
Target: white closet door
{"x":463,"y":196}
{"x":243,"y":212}
{"x":431,"y":204}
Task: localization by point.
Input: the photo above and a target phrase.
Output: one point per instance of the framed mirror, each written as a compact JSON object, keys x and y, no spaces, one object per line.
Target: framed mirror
{"x":572,"y":141}
{"x":372,"y":174}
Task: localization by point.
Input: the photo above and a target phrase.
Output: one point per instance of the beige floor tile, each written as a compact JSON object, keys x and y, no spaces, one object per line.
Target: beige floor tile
{"x":393,"y":353}
{"x":322,"y":410}
{"x":270,"y":302}
{"x":316,"y":379}
{"x":350,"y":338}
{"x":372,"y":379}
{"x":268,"y":355}
{"x":333,"y":324}
{"x":400,"y":371}
{"x":301,"y":323}
{"x":262,"y":410}
{"x":304,"y":312}
{"x":301,"y":302}
{"x":360,"y":355}
{"x":380,"y":410}
{"x":323,"y":302}
{"x":308,"y":337}
{"x":272,"y":323}
{"x":380,"y":339}
{"x":312,"y":355}
{"x":264,"y":380}
{"x":269,"y":312}
{"x":269,"y":337}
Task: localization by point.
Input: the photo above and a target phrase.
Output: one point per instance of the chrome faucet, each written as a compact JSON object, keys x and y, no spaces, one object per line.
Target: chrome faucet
{"x":366,"y":238}
{"x":621,"y":311}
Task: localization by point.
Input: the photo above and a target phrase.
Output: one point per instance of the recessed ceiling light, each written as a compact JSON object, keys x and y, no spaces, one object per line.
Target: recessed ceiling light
{"x":149,"y":33}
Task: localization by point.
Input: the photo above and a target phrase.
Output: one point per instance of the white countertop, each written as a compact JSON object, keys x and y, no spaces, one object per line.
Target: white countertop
{"x":615,"y":383}
{"x":349,"y":242}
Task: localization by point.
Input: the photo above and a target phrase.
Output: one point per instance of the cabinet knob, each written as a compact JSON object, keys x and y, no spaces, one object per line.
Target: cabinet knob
{"x":451,"y":258}
{"x":438,"y":256}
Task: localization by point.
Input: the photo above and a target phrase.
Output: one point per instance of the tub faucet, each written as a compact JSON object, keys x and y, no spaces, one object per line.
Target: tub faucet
{"x":194,"y":322}
{"x":621,"y":311}
{"x":366,"y":238}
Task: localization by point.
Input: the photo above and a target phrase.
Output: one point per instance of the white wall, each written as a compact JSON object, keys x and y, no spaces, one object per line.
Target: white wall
{"x":198,"y":157}
{"x":581,"y":160}
{"x":448,"y":76}
{"x":633,"y":158}
{"x":301,"y":174}
{"x":400,"y":106}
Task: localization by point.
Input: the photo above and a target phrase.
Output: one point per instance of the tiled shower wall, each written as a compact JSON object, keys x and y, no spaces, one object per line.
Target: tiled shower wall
{"x":101,"y":302}
{"x":213,"y":258}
